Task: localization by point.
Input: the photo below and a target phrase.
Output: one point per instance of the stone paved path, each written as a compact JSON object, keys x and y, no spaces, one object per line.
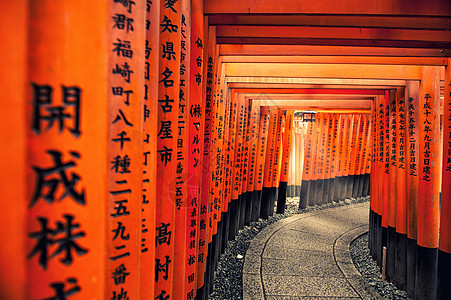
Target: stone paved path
{"x":307,"y":256}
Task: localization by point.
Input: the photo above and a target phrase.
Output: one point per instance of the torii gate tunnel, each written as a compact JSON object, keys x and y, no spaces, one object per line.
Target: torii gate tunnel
{"x":139,"y":136}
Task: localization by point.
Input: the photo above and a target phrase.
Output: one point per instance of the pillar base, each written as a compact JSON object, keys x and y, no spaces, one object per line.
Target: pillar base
{"x":426,"y":273}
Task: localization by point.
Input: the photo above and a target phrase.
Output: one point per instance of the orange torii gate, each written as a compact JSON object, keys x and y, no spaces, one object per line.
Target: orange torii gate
{"x":144,"y":144}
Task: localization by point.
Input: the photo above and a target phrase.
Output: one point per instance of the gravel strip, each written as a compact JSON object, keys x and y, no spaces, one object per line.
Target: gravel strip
{"x":228,"y":281}
{"x":370,"y":271}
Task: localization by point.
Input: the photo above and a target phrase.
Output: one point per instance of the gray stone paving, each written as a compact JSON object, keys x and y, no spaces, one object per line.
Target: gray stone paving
{"x":307,"y":256}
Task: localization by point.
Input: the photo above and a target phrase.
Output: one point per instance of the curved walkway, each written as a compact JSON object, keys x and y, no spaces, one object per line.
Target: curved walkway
{"x":307,"y":256}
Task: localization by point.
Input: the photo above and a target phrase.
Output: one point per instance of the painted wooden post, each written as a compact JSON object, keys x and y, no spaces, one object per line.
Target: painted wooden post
{"x":401,"y":205}
{"x":181,"y":173}
{"x":334,"y":157}
{"x":444,"y":254}
{"x":321,"y":158}
{"x":342,"y":158}
{"x":369,"y":152}
{"x":234,"y":114}
{"x":354,"y":154}
{"x":260,"y":164}
{"x":149,"y":149}
{"x":313,"y":185}
{"x":277,"y":161}
{"x":287,"y":142}
{"x":14,"y":30}
{"x":269,"y":164}
{"x":66,"y":165}
{"x":234,"y":205}
{"x":329,"y":145}
{"x":391,"y":233}
{"x":195,"y":147}
{"x":204,"y":216}
{"x":428,"y":190}
{"x":168,"y":100}
{"x":255,"y":118}
{"x":304,"y":199}
{"x":245,"y":167}
{"x":299,"y":159}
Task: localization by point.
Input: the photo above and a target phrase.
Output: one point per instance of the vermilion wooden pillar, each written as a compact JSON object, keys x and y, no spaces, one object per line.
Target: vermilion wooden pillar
{"x":195,"y":149}
{"x":233,"y":129}
{"x":67,"y":128}
{"x":255,"y":124}
{"x":322,"y":144}
{"x":287,"y":142}
{"x":444,"y":254}
{"x":304,"y":199}
{"x":391,"y":233}
{"x":204,"y":218}
{"x":260,"y":164}
{"x":401,"y":204}
{"x":412,"y":108}
{"x":245,"y":169}
{"x":238,"y":105}
{"x":269,"y":164}
{"x":327,"y":170}
{"x":14,"y":30}
{"x":313,"y":184}
{"x":334,"y":157}
{"x":277,"y":161}
{"x":168,"y":100}
{"x":386,"y":169}
{"x":182,"y":229}
{"x":149,"y":149}
{"x":428,"y":190}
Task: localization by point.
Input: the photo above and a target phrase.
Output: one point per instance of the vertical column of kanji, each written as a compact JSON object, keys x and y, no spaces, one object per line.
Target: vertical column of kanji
{"x":315,"y":152}
{"x":237,"y":131}
{"x":276,"y":159}
{"x":304,"y":199}
{"x":126,"y":82}
{"x":386,"y":167}
{"x":231,"y":156}
{"x":228,"y":168}
{"x":327,"y":171}
{"x":217,"y":174}
{"x":401,"y":205}
{"x":322,"y":129}
{"x":345,"y":161}
{"x":341,"y":158}
{"x":350,"y":163}
{"x":286,"y":153}
{"x":168,"y":100}
{"x":181,"y":185}
{"x":377,"y":178}
{"x":260,"y":163}
{"x":225,"y":163}
{"x":255,"y":117}
{"x":269,"y":164}
{"x":328,"y":142}
{"x":195,"y":146}
{"x":66,"y":113}
{"x":299,"y":165}
{"x":444,"y":254}
{"x":347,"y":154}
{"x":334,"y":157}
{"x":391,"y":233}
{"x":367,"y":167}
{"x":358,"y":160}
{"x":205,"y":191}
{"x":382,"y":176}
{"x":13,"y":29}
{"x":412,"y":158}
{"x":149,"y":148}
{"x":245,"y":178}
{"x":428,"y":190}
{"x":372,"y":142}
